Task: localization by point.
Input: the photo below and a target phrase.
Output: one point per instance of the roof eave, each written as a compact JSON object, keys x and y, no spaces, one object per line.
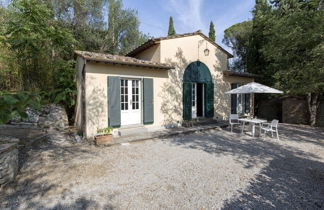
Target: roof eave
{"x":238,"y":74}
{"x":128,"y":63}
{"x":142,"y":47}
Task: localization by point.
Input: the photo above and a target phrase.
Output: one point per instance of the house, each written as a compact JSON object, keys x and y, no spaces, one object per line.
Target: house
{"x":159,"y":84}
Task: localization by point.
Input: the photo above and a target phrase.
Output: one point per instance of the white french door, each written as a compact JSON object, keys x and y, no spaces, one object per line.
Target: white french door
{"x":197,"y":103}
{"x":130,"y":101}
{"x":194,"y":100}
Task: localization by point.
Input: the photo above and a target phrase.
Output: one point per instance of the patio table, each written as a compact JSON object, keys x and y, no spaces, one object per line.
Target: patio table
{"x":253,"y":121}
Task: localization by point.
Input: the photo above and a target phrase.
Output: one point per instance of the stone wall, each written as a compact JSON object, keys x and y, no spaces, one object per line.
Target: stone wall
{"x":295,"y":111}
{"x":8,"y":161}
{"x":291,"y":110}
{"x":50,"y":116}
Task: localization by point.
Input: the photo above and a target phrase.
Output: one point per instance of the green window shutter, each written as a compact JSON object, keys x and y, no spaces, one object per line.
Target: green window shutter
{"x":114,"y":101}
{"x":187,"y":91}
{"x":148,"y":102}
{"x":209,"y":99}
{"x":233,"y":100}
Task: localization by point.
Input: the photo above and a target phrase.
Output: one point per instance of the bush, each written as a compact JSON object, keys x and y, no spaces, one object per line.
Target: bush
{"x":14,"y":104}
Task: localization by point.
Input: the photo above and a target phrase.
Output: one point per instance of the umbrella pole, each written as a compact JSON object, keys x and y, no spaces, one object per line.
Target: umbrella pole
{"x":252,"y":104}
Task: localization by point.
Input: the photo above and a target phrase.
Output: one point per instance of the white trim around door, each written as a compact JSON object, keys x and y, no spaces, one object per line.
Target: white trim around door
{"x":130,"y":101}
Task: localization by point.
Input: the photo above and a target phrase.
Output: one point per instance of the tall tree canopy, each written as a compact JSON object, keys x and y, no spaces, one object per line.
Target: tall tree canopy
{"x":36,"y":40}
{"x":123,"y":29}
{"x":285,"y":47}
{"x":212,"y":34}
{"x":38,"y":37}
{"x":237,"y":37}
{"x":171,"y":30}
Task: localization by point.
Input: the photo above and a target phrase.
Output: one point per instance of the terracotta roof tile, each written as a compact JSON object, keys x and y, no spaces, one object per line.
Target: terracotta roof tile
{"x":118,"y":59}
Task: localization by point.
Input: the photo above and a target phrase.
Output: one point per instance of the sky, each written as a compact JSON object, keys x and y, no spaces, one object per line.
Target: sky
{"x":190,"y":15}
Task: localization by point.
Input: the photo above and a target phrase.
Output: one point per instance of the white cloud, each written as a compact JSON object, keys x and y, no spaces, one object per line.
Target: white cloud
{"x":187,"y":13}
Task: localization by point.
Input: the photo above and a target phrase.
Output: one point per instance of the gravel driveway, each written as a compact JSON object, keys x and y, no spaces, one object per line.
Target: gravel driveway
{"x":209,"y":170}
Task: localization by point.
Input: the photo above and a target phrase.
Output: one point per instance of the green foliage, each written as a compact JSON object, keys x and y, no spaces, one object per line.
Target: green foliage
{"x":85,"y":20}
{"x":36,"y":41}
{"x":9,"y":72}
{"x":14,"y":104}
{"x":212,"y":34}
{"x":104,"y":131}
{"x":123,"y":33}
{"x":237,"y":37}
{"x":171,"y":30}
{"x":287,"y":45}
{"x":64,"y":90}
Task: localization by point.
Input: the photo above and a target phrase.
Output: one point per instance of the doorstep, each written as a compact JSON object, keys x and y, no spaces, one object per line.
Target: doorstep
{"x":164,"y":133}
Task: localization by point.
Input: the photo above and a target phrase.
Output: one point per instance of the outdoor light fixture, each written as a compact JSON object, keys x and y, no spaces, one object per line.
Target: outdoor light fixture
{"x":206,"y":51}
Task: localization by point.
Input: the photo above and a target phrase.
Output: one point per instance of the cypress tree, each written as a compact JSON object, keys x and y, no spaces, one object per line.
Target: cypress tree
{"x":171,"y":27}
{"x":212,"y":31}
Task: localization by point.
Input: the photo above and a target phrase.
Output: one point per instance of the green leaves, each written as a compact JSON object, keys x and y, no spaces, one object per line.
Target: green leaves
{"x":237,"y":37}
{"x":15,"y":104}
{"x":103,"y":131}
{"x":212,"y":35}
{"x":171,"y":30}
{"x":37,"y":41}
{"x":287,"y":45}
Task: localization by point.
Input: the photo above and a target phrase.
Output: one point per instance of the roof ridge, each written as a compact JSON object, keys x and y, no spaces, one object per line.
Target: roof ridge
{"x":153,"y":41}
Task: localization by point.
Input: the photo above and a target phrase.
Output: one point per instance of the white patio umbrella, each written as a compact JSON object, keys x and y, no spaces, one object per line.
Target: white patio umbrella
{"x":252,"y":88}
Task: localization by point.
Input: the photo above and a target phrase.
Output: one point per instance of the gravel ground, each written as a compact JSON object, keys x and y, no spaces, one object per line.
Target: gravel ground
{"x":208,"y":170}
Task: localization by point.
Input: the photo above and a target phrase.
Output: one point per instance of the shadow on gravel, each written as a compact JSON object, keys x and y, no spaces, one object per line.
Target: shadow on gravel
{"x":290,"y":180}
{"x":305,"y":134}
{"x":28,"y":191}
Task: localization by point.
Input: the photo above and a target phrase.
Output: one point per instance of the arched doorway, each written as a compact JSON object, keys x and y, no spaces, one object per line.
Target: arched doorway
{"x":198,"y":92}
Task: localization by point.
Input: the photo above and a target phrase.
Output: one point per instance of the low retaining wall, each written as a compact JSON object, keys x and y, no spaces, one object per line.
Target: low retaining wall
{"x":8,"y":160}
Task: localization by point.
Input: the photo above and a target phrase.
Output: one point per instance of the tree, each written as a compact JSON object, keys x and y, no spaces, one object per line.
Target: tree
{"x":123,"y":32}
{"x":84,"y":18}
{"x":37,"y":42}
{"x":287,"y":48}
{"x":261,"y":32}
{"x":212,"y":35}
{"x":237,"y":37}
{"x":9,"y":72}
{"x":296,"y":50}
{"x":171,"y":30}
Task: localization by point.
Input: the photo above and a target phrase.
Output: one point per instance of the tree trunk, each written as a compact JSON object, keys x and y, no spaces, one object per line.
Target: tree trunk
{"x":313,"y":104}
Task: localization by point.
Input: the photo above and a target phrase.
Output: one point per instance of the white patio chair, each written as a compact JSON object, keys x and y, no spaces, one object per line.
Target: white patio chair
{"x":233,"y":120}
{"x":270,"y":127}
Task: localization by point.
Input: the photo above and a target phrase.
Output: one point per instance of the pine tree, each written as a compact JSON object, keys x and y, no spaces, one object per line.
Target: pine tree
{"x":171,"y":27}
{"x":212,"y":31}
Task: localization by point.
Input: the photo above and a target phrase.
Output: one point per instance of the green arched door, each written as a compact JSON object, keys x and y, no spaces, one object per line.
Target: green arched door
{"x":197,"y":72}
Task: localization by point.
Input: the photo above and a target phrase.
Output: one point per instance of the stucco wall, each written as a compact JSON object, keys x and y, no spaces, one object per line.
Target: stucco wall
{"x":150,"y":54}
{"x":96,"y":92}
{"x":180,"y":52}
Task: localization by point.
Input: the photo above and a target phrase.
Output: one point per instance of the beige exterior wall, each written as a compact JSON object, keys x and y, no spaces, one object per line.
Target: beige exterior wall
{"x":96,"y":92}
{"x":180,"y":53}
{"x":150,"y":54}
